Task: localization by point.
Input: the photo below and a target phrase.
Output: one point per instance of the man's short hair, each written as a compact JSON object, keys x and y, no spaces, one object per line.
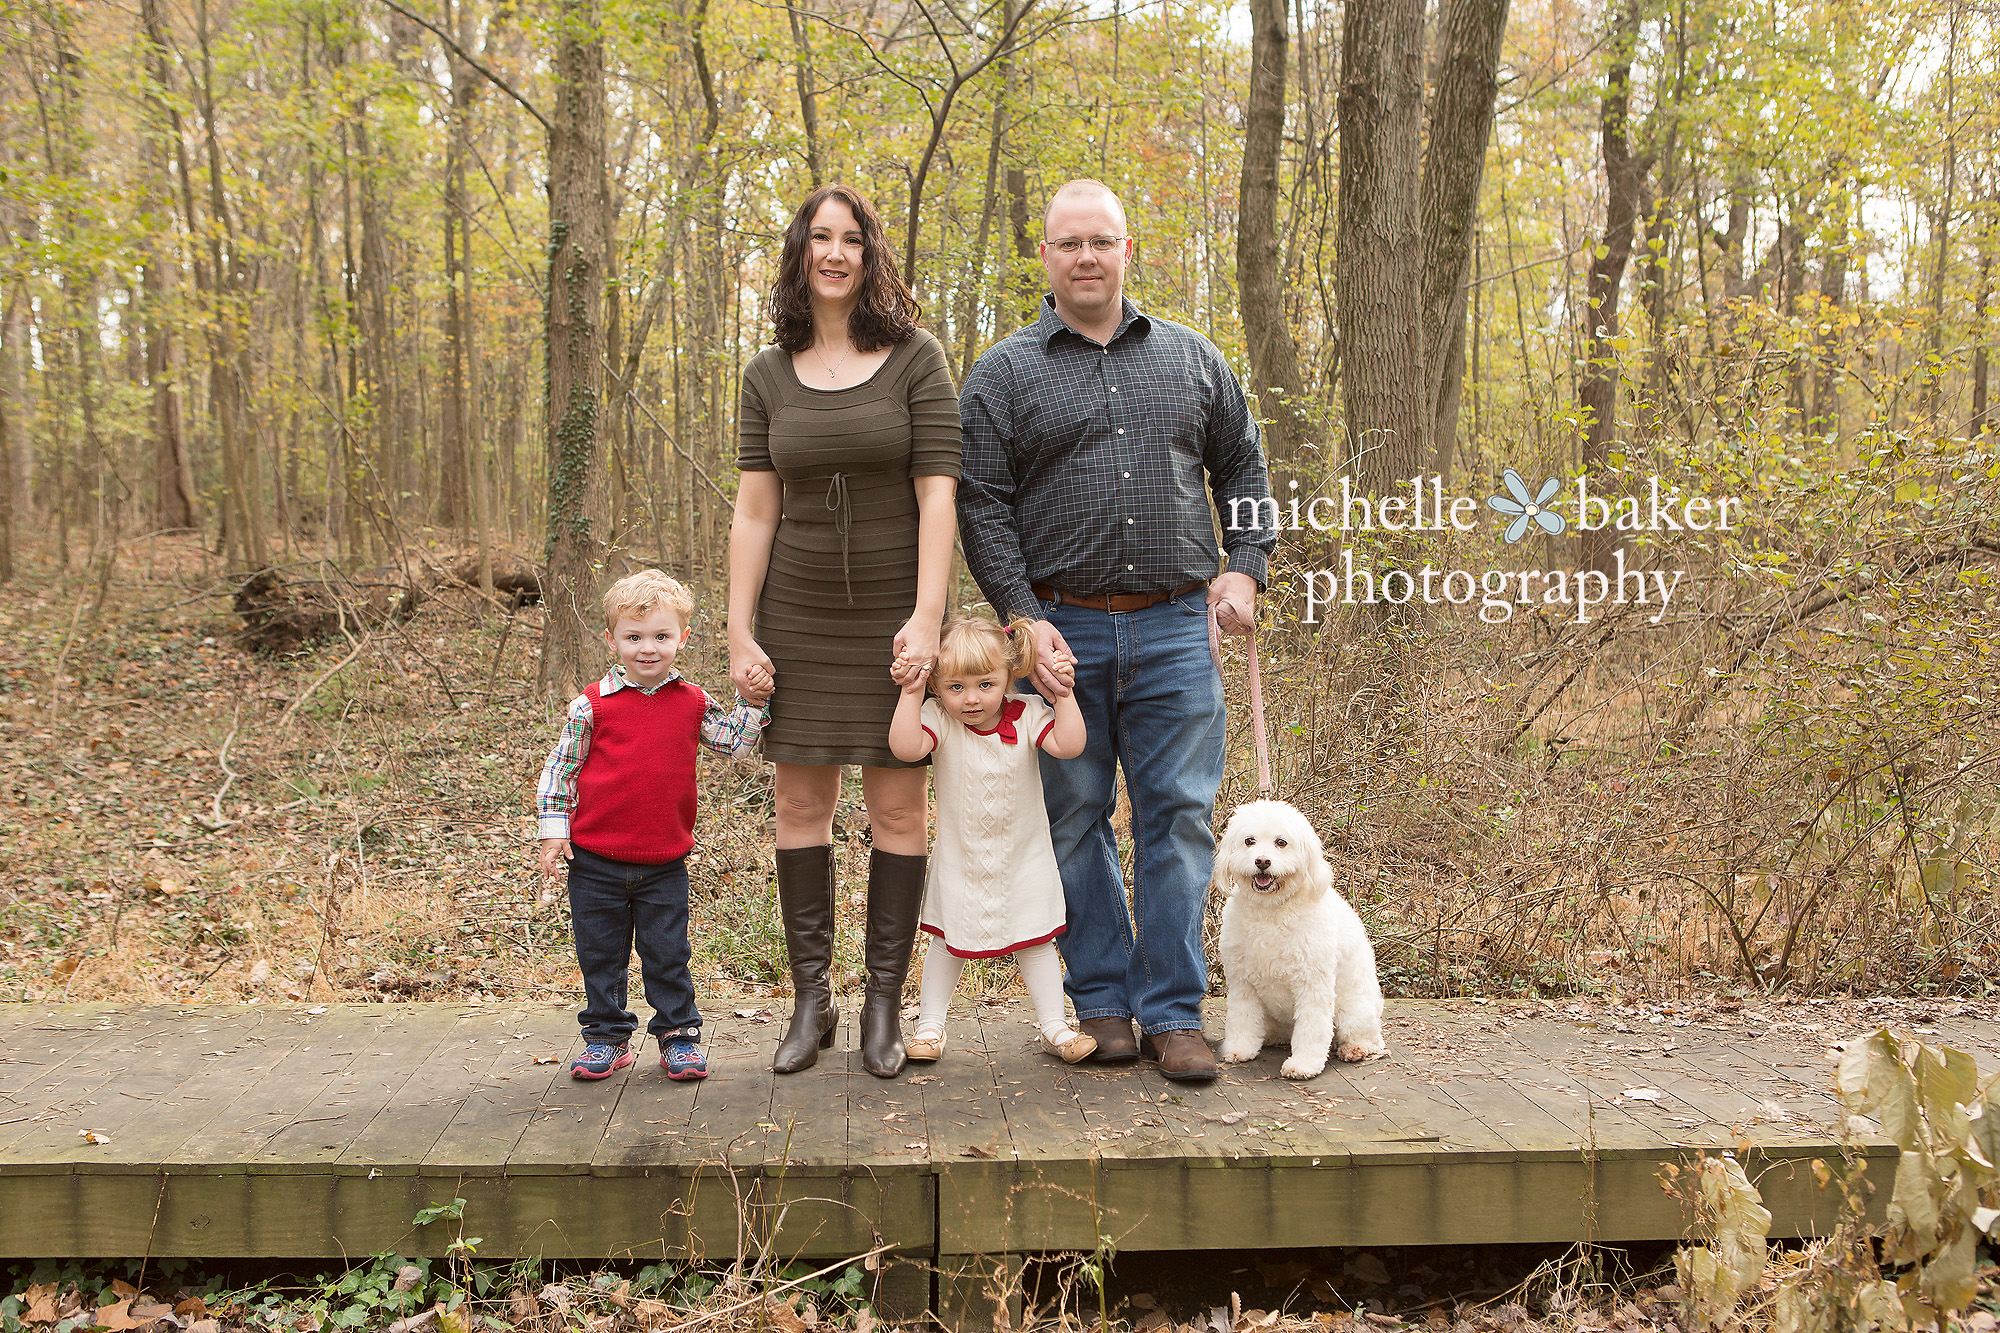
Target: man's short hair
{"x":637,"y":596}
{"x":1081,"y":185}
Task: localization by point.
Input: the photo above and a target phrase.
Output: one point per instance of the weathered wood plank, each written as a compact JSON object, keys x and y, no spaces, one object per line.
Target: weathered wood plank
{"x":147,"y":1093}
{"x":402,"y":1132}
{"x":262,"y":1130}
{"x":808,"y":1110}
{"x":389,"y":1048}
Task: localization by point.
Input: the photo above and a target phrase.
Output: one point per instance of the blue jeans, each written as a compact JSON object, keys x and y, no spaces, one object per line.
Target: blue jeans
{"x":613,"y":906}
{"x":1151,"y":701}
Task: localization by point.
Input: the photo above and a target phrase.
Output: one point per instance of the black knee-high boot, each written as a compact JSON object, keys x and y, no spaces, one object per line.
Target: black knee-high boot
{"x":805,"y":893}
{"x":895,"y":897}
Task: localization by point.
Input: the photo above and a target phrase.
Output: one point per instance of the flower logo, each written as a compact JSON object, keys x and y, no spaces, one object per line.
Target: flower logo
{"x":1527,"y":509}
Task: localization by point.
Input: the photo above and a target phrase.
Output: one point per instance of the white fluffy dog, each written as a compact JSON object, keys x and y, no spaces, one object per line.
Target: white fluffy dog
{"x":1299,"y":962}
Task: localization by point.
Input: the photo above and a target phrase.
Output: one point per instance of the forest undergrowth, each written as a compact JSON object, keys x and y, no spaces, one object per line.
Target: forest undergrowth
{"x":1540,"y":808}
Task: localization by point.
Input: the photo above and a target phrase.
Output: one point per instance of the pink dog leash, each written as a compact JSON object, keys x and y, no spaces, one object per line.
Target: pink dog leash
{"x":1256,"y":698}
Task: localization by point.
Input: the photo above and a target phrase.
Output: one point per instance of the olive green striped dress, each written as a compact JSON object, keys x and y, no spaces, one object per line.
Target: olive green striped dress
{"x":843,"y":571}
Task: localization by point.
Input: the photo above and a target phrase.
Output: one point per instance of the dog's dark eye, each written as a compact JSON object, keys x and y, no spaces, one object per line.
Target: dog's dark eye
{"x":1281,"y":842}
{"x":1250,"y":842}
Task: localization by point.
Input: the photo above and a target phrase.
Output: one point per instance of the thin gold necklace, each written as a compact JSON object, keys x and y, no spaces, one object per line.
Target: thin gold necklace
{"x":832,"y":371}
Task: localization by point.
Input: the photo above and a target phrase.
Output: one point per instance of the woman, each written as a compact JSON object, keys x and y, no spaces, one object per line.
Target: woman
{"x":848,"y":454}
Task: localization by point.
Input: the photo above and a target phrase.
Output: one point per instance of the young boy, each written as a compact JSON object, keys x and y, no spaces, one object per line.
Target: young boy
{"x":616,"y":801}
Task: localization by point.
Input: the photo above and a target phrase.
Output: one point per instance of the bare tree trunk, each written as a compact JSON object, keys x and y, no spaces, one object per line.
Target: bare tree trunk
{"x":975,"y":287}
{"x":1981,"y":357}
{"x":173,"y":473}
{"x":1378,"y":284}
{"x":10,"y":405}
{"x":1024,"y":292}
{"x":1461,"y":120}
{"x":1934,"y":386}
{"x":1825,"y":417}
{"x":1260,"y":285}
{"x":245,"y":528}
{"x":808,"y":97}
{"x":454,"y":468}
{"x":16,"y":390}
{"x":1625,"y":175}
{"x":573,"y":320}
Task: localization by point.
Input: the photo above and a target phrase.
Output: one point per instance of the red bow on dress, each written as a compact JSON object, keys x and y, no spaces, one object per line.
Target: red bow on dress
{"x":1004,"y":728}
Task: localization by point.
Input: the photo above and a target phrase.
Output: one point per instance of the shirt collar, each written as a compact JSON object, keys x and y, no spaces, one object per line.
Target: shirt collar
{"x":615,"y":680}
{"x":1051,"y":324}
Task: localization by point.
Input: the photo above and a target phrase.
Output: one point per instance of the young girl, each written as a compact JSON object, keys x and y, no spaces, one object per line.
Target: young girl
{"x":993,"y":886}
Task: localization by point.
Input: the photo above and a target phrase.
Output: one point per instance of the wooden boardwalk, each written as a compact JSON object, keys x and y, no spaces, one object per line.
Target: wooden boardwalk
{"x":288,"y":1131}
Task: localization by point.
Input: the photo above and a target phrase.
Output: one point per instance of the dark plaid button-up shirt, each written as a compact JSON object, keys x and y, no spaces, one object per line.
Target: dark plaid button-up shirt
{"x":1091,"y":468}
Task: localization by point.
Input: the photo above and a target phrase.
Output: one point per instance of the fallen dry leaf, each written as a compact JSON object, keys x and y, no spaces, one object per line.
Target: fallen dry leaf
{"x":116,"y":1317}
{"x":545,"y":1059}
{"x":194,"y":1307}
{"x":93,"y":1136}
{"x":41,"y":1304}
{"x":1369,"y":1268}
{"x":66,"y":969}
{"x":976,"y":1151}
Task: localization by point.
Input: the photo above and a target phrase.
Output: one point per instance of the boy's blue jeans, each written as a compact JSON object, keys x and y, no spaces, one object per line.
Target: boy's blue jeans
{"x":613,"y":907}
{"x":1151,"y":702}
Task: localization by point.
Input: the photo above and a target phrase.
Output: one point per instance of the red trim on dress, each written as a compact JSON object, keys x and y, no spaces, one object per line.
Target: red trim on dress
{"x":1045,"y":733}
{"x":1004,"y":728}
{"x":932,"y":734}
{"x":993,"y":953}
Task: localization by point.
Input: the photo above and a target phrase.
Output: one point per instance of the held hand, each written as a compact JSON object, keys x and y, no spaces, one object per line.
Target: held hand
{"x":1055,"y":664}
{"x":916,"y":651}
{"x":919,"y":677}
{"x":1234,"y":598}
{"x":555,"y":851}
{"x":751,"y":672}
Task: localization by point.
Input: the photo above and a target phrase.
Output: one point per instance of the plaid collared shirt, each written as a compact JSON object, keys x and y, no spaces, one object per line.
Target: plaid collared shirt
{"x":730,"y":731}
{"x":1092,"y":468}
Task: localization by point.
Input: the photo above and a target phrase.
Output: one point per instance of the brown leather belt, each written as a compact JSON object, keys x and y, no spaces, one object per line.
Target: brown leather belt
{"x":1113,"y":601}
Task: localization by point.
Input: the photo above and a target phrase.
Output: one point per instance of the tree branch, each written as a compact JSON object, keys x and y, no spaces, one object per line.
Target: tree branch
{"x":474,"y":62}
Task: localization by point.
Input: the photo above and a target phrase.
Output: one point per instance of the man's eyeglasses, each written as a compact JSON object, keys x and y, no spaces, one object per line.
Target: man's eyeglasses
{"x":1102,"y":245}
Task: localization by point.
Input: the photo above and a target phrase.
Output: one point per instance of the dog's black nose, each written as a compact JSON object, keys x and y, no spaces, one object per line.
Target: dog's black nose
{"x":1263,"y":864}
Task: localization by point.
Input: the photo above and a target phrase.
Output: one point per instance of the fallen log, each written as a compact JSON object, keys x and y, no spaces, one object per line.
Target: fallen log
{"x":283,"y":614}
{"x":522,"y":585}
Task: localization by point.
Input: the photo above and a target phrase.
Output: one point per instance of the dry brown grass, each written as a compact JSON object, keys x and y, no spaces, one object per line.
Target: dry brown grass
{"x":1538,"y":807}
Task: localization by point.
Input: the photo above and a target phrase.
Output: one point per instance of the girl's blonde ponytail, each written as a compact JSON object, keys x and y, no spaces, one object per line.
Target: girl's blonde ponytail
{"x":1021,"y":647}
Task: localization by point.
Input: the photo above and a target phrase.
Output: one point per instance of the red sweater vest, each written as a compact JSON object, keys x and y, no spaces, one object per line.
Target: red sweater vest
{"x":635,"y":791}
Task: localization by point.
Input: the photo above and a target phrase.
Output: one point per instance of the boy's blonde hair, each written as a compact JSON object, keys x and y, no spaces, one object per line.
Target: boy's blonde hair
{"x":976,"y":646}
{"x":637,"y":596}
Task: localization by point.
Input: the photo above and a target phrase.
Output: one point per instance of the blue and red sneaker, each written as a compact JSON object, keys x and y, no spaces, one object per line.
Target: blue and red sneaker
{"x":682,"y":1058}
{"x":601,"y":1060}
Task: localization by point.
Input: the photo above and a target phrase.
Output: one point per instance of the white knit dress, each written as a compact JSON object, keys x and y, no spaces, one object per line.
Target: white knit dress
{"x":993,"y":886}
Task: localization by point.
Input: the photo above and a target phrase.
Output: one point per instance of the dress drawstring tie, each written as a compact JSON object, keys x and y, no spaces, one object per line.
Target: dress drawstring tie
{"x":843,"y":520}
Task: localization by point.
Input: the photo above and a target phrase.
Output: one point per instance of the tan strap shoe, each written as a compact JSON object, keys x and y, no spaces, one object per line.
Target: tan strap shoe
{"x":1074,"y":1046}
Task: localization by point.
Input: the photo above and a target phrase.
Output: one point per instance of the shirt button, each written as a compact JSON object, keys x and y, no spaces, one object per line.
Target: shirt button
{"x":1114,"y":388}
{"x":1128,"y":522}
{"x":1121,"y":430}
{"x":1129,"y":566}
{"x":1127,"y":474}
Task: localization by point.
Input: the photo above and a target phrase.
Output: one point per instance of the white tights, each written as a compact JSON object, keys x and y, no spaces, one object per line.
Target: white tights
{"x":1041,"y":969}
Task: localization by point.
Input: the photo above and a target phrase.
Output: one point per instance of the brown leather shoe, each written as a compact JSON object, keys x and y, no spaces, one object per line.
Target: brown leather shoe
{"x":1182,"y":1056}
{"x":1115,"y":1045}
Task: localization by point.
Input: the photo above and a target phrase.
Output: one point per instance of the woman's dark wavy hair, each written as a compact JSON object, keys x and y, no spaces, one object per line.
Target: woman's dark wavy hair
{"x":886,"y":313}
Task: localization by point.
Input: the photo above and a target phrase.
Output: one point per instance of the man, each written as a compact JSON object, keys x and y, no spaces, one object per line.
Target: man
{"x":1093,"y":443}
